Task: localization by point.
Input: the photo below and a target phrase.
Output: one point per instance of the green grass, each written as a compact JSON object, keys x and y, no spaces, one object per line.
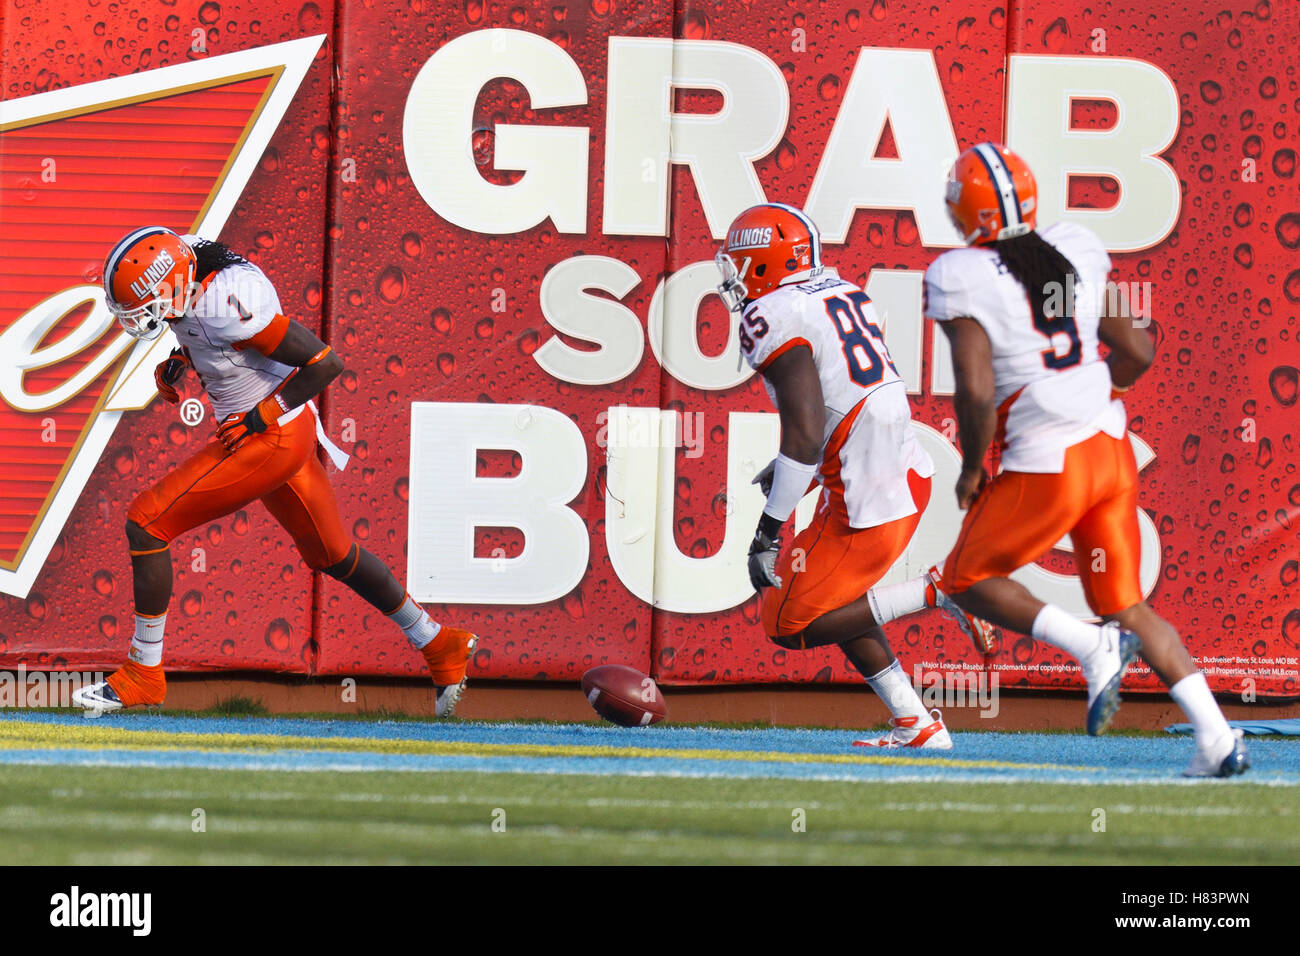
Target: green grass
{"x":98,"y":815}
{"x":237,"y":706}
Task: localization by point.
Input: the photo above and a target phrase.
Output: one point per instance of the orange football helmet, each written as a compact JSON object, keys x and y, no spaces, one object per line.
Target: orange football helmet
{"x":767,"y":246}
{"x":147,"y":280}
{"x":991,"y":194}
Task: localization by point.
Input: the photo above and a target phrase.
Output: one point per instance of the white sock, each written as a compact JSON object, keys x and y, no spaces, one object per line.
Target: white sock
{"x":415,"y":623}
{"x":147,"y":644}
{"x":1062,"y":629}
{"x":893,"y":601}
{"x":892,"y":686}
{"x":1192,"y":694}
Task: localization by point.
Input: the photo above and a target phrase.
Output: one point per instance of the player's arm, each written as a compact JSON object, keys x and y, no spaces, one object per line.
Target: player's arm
{"x":314,"y":364}
{"x":793,"y":377}
{"x":972,"y":362}
{"x":1131,"y":348}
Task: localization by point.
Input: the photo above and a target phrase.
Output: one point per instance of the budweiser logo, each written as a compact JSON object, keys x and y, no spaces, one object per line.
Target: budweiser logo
{"x":67,"y":372}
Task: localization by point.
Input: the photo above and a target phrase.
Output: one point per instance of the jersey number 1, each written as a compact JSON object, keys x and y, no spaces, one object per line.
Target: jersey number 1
{"x":864,"y":346}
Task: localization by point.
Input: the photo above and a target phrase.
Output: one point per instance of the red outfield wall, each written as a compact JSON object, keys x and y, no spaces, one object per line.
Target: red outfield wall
{"x":491,"y":214}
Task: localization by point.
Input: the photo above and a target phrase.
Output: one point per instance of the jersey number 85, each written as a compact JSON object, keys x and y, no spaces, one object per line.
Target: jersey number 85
{"x":864,"y":346}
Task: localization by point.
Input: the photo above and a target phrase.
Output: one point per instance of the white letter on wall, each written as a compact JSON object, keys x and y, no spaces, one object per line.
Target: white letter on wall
{"x":611,"y":325}
{"x":643,"y":134}
{"x":448,"y":501}
{"x":437,"y":128}
{"x":901,"y":86}
{"x":639,"y":512}
{"x":1039,"y":91}
{"x":671,"y":327}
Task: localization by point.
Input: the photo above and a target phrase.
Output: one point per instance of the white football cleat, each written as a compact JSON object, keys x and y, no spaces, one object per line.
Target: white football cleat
{"x":1119,"y":646}
{"x":979,"y":631}
{"x":910,"y":732}
{"x":447,"y":657}
{"x":1224,"y":757}
{"x":448,"y":697}
{"x":96,"y":699}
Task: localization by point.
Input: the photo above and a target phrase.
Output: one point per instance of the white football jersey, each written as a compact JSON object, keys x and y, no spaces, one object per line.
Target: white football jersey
{"x":1052,"y":387}
{"x":237,"y":303}
{"x":869,"y":446}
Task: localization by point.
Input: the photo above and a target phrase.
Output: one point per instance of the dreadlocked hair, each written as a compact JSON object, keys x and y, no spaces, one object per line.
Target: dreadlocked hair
{"x":1051,"y":283}
{"x":213,"y":256}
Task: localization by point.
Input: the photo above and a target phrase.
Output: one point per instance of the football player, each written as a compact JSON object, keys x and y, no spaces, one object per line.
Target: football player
{"x":261,"y":371}
{"x":845,"y":424}
{"x":1024,"y":312}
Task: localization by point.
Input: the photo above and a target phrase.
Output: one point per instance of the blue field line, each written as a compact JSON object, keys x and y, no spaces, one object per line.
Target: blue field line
{"x":1055,"y":758}
{"x":314,"y":761}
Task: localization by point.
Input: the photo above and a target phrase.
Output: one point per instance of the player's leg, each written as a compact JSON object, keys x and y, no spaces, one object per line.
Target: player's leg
{"x":821,"y":602}
{"x":826,"y":564}
{"x":306,"y":507}
{"x":868,"y":651}
{"x":910,"y":724}
{"x":889,"y":602}
{"x":1107,"y":546}
{"x":445,"y":649}
{"x":1017,"y":518}
{"x":1005,"y":602}
{"x":813,"y":584}
{"x":151,"y":570}
{"x":1005,"y":529}
{"x":151,"y":579}
{"x":206,"y":486}
{"x":1219,"y":749}
{"x":881,"y":604}
{"x":369,"y":577}
{"x":828,"y":574}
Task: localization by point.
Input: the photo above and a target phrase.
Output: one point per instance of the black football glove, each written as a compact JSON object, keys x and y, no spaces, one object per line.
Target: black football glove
{"x":763,"y":552}
{"x":235,"y":429}
{"x":170,"y":371}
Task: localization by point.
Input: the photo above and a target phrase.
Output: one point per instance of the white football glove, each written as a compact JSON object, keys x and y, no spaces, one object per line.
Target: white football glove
{"x":764,"y":478}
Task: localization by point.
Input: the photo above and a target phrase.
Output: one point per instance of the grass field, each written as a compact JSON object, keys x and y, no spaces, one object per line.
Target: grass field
{"x":125,"y":789}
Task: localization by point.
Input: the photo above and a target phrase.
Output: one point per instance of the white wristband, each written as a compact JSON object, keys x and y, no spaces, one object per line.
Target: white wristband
{"x":790,"y":481}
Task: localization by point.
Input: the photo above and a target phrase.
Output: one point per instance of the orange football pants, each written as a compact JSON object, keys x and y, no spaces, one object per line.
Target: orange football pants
{"x":1019,"y":516}
{"x":830,"y":564}
{"x":279,"y":467}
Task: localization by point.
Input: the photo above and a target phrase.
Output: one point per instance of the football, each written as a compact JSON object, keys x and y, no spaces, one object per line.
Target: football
{"x":624,"y":696}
